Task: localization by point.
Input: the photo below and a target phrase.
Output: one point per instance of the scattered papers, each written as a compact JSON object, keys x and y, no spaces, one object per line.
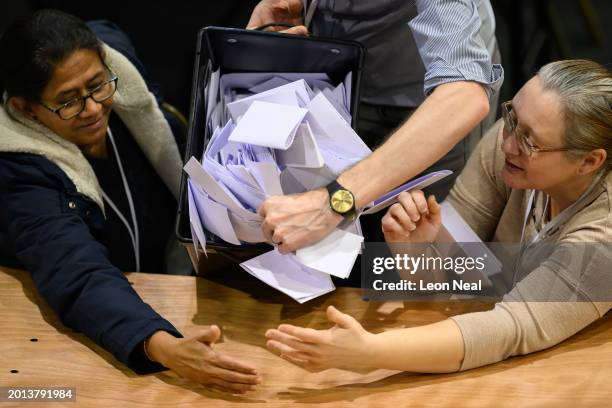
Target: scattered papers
{"x":275,"y":134}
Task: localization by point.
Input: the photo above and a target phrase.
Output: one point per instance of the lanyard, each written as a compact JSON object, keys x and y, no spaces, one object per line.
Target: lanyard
{"x":556,"y":223}
{"x":310,"y":12}
{"x":133,"y":232}
{"x":564,"y":216}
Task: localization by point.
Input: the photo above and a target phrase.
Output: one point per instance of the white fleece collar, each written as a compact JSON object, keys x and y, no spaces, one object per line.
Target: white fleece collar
{"x":138,"y":110}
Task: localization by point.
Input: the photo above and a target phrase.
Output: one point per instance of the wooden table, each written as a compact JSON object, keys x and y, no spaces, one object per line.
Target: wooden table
{"x":576,"y":373}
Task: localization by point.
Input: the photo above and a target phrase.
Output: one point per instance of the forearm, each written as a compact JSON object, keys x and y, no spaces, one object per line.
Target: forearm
{"x":445,"y":117}
{"x":434,"y":348}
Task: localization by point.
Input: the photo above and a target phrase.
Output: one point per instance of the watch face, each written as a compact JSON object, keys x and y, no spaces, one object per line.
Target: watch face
{"x":342,"y":201}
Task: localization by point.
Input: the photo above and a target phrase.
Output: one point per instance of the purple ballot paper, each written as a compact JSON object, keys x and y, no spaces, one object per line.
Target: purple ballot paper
{"x":386,"y":200}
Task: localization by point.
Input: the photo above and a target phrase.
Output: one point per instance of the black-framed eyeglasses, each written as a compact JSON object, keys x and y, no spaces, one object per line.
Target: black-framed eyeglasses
{"x":74,"y":107}
{"x":525,"y":145}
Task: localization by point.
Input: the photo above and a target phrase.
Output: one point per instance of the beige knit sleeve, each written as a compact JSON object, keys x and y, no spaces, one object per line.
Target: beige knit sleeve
{"x":479,"y":194}
{"x":567,"y":292}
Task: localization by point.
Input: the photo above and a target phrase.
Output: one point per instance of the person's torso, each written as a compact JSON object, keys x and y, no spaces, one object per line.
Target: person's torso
{"x":393,"y":73}
{"x":154,"y":206}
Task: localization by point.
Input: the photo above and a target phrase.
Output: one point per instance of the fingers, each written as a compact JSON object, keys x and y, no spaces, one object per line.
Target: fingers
{"x":434,"y":207}
{"x":391,"y":227}
{"x":284,"y":350}
{"x":307,"y":335}
{"x":291,"y":341}
{"x":297,"y":30}
{"x":229,"y":363}
{"x":233,"y":376}
{"x":289,"y":242}
{"x":407,"y":202}
{"x":305,"y":364}
{"x":418,"y":197}
{"x":302,"y":359}
{"x":402,"y":218}
{"x":341,"y":319}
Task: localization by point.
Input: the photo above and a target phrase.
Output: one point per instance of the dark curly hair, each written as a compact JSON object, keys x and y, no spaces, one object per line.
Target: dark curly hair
{"x":31,"y":48}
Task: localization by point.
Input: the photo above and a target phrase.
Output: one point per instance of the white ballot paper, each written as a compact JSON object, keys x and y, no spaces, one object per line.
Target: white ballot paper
{"x":278,"y":134}
{"x":197,"y":231}
{"x":333,"y":255}
{"x":290,"y":277}
{"x":269,"y":124}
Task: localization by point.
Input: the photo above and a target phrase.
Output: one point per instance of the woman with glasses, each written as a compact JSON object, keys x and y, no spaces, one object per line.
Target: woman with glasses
{"x":540,"y":175}
{"x":88,"y":170}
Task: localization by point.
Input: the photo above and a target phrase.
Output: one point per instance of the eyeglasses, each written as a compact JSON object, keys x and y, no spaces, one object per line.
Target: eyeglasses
{"x":525,"y":145}
{"x":74,"y":107}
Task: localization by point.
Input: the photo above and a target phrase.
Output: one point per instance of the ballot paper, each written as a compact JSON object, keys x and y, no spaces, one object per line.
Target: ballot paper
{"x":274,"y":134}
{"x":268,"y":84}
{"x":288,"y":276}
{"x":214,"y":215}
{"x":269,"y":124}
{"x":333,"y":255}
{"x":238,"y":108}
{"x":197,"y":230}
{"x":328,"y":124}
{"x":303,"y":152}
{"x":390,"y":198}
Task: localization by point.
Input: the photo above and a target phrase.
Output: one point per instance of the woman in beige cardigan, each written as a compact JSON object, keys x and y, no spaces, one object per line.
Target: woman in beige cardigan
{"x":548,"y":163}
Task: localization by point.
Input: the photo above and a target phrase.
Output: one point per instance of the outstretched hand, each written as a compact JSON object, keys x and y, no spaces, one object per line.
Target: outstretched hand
{"x":346,"y":345}
{"x":194,"y":358}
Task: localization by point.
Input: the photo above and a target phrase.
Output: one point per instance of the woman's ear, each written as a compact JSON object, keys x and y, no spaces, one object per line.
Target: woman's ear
{"x":592,"y":161}
{"x":22,"y":106}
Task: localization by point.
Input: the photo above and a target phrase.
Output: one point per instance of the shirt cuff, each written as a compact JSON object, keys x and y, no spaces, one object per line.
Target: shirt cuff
{"x":444,"y":74}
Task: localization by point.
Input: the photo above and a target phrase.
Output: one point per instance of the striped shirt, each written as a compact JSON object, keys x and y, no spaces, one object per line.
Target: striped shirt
{"x":414,"y":46}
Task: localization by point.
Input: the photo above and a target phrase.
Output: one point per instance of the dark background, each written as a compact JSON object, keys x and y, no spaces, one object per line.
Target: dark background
{"x":530,"y":32}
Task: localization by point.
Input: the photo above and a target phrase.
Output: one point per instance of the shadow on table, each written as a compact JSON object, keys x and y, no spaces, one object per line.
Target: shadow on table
{"x":586,"y":338}
{"x":407,"y":381}
{"x":207,"y":392}
{"x":245,"y":321}
{"x":53,"y":320}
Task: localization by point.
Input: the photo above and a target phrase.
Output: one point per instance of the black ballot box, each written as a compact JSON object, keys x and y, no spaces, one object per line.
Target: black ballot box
{"x":222,"y":51}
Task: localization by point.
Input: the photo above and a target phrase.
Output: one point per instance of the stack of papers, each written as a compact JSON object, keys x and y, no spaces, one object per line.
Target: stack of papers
{"x":275,"y":134}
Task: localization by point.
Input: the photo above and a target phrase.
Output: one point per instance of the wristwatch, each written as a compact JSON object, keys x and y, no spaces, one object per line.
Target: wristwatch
{"x":341,"y":200}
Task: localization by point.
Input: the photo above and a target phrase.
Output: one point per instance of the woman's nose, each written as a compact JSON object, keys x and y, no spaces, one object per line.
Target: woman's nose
{"x":91,"y":107}
{"x":510,"y":144}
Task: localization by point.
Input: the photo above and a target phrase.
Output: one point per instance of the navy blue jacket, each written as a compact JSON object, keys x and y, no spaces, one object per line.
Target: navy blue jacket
{"x":46,"y":227}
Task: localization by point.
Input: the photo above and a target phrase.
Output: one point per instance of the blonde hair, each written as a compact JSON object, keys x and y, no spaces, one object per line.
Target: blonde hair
{"x":585,"y":91}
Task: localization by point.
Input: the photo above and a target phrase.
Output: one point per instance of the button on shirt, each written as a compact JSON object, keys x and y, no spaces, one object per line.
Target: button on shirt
{"x":414,"y":46}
